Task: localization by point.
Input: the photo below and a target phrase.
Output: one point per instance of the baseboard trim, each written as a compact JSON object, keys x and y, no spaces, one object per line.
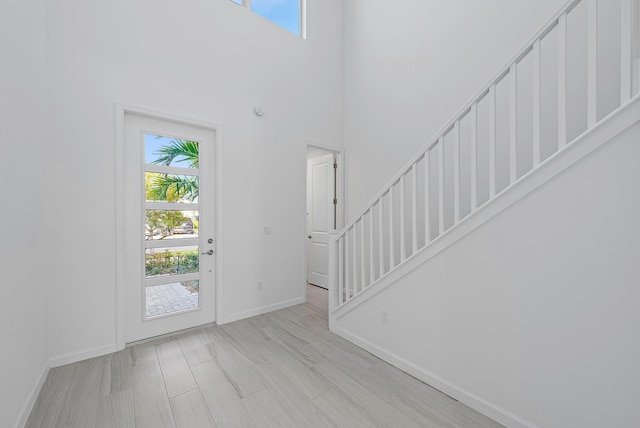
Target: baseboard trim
{"x":28,"y":406}
{"x":494,"y":412}
{"x":262,"y":310}
{"x":82,"y":355}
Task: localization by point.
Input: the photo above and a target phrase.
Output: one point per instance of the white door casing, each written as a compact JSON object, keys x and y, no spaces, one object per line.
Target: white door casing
{"x":321,"y":217}
{"x":137,"y":324}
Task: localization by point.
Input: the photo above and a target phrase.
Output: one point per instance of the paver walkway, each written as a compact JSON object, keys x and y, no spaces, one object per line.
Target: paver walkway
{"x":168,"y":298}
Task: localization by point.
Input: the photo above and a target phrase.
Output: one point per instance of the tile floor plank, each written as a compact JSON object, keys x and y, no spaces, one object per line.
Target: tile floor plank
{"x":240,"y":336}
{"x":379,"y":409}
{"x":191,"y":411}
{"x":51,"y":398}
{"x":420,"y":395}
{"x":267,"y":411}
{"x":222,"y":398}
{"x":301,"y":409}
{"x":238,"y":370}
{"x":116,"y":410}
{"x":121,"y":373}
{"x":343,"y":411}
{"x":175,"y":369}
{"x":287,"y":321}
{"x":150,"y":399}
{"x":143,"y":353}
{"x":340,"y":351}
{"x":195,"y":351}
{"x":401,"y":402}
{"x":298,"y":348}
{"x":81,"y":404}
{"x":307,"y":380}
{"x":211,"y":333}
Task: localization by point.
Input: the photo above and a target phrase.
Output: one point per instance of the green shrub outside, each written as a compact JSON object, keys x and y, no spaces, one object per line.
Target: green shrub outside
{"x":171,"y":263}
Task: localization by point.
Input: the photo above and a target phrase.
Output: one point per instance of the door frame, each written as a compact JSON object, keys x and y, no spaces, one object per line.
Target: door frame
{"x":340,"y":195}
{"x":120,"y":111}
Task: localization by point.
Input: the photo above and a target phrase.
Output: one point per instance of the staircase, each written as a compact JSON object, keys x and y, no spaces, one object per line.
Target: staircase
{"x":547,"y":110}
{"x":442,"y":186}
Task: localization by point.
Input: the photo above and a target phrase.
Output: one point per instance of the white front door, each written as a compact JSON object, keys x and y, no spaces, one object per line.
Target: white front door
{"x":321,"y":217}
{"x":169,"y":228}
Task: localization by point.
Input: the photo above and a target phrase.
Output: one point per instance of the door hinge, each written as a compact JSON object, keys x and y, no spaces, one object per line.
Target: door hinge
{"x":335,"y":165}
{"x":335,"y":202}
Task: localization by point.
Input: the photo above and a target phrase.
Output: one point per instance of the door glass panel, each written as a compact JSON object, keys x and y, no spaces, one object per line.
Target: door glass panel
{"x":162,"y":262}
{"x":170,"y":224}
{"x":172,"y":297}
{"x":161,"y":150}
{"x":160,"y":187}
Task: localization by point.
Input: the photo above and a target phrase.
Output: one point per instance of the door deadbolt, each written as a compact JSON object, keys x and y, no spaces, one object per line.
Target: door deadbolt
{"x":210,"y":240}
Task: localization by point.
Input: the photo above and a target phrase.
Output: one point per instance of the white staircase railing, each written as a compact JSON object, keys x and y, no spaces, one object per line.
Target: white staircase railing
{"x":558,"y":87}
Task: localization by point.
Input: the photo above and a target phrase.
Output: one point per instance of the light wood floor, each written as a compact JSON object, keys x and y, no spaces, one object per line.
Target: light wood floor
{"x":282,"y":369}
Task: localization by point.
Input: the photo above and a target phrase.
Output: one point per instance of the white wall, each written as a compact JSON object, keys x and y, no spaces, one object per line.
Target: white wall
{"x":534,"y":313}
{"x":411,"y":65}
{"x":202,"y":59}
{"x":23,"y":255}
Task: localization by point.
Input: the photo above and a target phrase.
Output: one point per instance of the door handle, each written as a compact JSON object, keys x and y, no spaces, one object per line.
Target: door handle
{"x":309,"y":236}
{"x":208,"y":253}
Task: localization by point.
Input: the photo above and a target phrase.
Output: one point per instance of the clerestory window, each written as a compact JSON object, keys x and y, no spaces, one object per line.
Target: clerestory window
{"x":289,"y":14}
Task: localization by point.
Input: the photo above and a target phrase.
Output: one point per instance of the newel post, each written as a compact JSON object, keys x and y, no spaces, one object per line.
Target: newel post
{"x":333,"y":278}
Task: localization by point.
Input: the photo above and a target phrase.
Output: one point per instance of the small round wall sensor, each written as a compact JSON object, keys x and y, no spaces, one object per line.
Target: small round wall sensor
{"x":259,"y":110}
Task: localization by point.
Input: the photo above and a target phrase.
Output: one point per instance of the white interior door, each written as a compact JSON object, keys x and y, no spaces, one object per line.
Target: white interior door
{"x":169,"y":227}
{"x":321,"y":217}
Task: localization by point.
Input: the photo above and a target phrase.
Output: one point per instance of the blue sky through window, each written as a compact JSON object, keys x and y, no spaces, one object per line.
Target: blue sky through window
{"x":152,"y":143}
{"x":285,"y":13}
